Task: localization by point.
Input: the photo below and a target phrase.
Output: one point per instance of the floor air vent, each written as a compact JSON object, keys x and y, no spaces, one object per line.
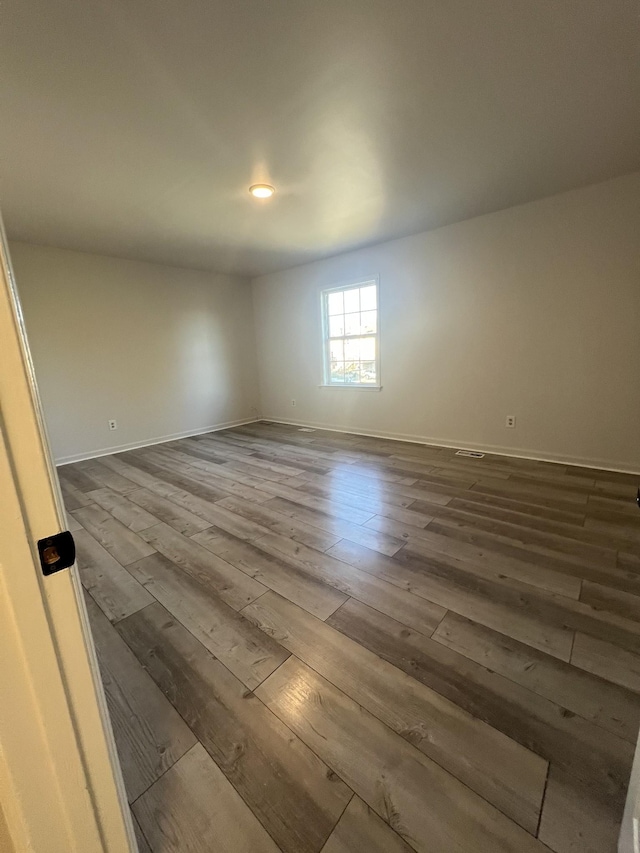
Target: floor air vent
{"x":473,"y":453}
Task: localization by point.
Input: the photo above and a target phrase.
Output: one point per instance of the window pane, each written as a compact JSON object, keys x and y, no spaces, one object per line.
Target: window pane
{"x":351,"y":300}
{"x":352,"y":372}
{"x":352,"y":350}
{"x":336,"y":350}
{"x":368,"y":349}
{"x":368,"y":372}
{"x":368,"y":322}
{"x":352,"y":324}
{"x":335,"y":303}
{"x":368,"y":298}
{"x":337,"y":371}
{"x":336,"y":326}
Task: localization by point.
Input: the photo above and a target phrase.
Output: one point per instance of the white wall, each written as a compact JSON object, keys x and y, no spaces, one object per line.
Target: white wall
{"x":533,"y":311}
{"x":164,"y":351}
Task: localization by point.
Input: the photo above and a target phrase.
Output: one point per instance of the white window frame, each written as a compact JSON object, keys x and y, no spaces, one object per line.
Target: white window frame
{"x":326,"y":339}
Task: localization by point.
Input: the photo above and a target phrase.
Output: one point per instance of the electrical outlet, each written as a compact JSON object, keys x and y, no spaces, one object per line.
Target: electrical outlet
{"x":113,"y":424}
{"x":510,"y":422}
{"x":293,"y":402}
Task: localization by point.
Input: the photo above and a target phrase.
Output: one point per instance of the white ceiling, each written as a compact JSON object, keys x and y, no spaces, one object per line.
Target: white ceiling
{"x":134,"y":127}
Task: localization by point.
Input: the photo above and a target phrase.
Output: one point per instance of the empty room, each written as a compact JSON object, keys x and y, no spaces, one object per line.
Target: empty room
{"x":319,"y":447}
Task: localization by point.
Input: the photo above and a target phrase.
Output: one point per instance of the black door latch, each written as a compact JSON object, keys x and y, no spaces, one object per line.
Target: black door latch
{"x":56,"y":552}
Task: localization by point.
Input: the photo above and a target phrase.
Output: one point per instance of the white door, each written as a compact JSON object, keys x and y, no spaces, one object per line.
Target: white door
{"x":61,"y":788}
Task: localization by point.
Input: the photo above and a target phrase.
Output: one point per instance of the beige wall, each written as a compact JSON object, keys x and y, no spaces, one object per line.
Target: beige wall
{"x":533,"y":311}
{"x":164,"y":351}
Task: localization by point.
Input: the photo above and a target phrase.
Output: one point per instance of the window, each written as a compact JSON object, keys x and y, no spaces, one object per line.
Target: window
{"x":350,"y":327}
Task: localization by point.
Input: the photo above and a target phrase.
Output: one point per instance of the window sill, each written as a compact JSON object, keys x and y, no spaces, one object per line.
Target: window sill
{"x":353,"y":386}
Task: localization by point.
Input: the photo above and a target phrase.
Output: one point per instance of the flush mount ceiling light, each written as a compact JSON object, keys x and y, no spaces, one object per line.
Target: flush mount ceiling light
{"x":261,"y":191}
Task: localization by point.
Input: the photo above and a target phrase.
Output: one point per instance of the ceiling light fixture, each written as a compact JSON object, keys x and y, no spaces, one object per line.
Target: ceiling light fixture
{"x":261,"y":191}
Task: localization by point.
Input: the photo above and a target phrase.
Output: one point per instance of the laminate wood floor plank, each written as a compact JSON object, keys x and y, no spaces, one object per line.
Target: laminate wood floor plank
{"x":172,"y":477}
{"x":629,"y":563}
{"x":505,"y":547}
{"x":429,"y":808}
{"x":613,"y":600}
{"x":257,"y":753}
{"x":491,"y":467}
{"x":73,"y":476}
{"x":169,"y":510}
{"x":570,"y":503}
{"x":143,"y":845}
{"x":391,"y":598}
{"x":113,"y":588}
{"x":73,"y":524}
{"x":564,"y":482}
{"x":73,"y":497}
{"x":533,"y":490}
{"x":208,"y":474}
{"x":263,"y":470}
{"x":226,"y":475}
{"x":247,"y":652}
{"x":493,"y":765}
{"x":218,"y":515}
{"x":486,"y":562}
{"x":150,"y":735}
{"x":572,"y":530}
{"x":225,"y":442}
{"x":226,"y":481}
{"x":120,"y":507}
{"x":200,"y":450}
{"x":371,"y":504}
{"x":276,"y":573}
{"x":121,"y":542}
{"x":466,"y":595}
{"x":622,"y":529}
{"x":367,"y":480}
{"x":526,"y":537}
{"x":552,"y":610}
{"x":360,"y":830}
{"x":234,"y":587}
{"x":138,"y":476}
{"x":607,"y":660}
{"x":586,"y":751}
{"x":278,"y":522}
{"x":361,"y":471}
{"x":349,"y":513}
{"x":193,"y":808}
{"x":234,"y":468}
{"x":434,"y":469}
{"x":225,"y":454}
{"x":105,"y":475}
{"x":290,"y":459}
{"x":604,"y":506}
{"x":574,"y":821}
{"x":568,"y":516}
{"x":348,"y":490}
{"x":342,"y":529}
{"x":594,"y":698}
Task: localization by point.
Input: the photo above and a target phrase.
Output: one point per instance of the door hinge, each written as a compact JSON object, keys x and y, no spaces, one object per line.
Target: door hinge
{"x":56,"y":552}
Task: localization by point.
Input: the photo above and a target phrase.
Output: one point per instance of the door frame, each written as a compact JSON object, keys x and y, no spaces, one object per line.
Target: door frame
{"x":61,"y":785}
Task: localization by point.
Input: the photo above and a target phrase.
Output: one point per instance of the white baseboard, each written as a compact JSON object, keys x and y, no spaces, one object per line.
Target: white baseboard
{"x":148,"y":442}
{"x":515,"y":453}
